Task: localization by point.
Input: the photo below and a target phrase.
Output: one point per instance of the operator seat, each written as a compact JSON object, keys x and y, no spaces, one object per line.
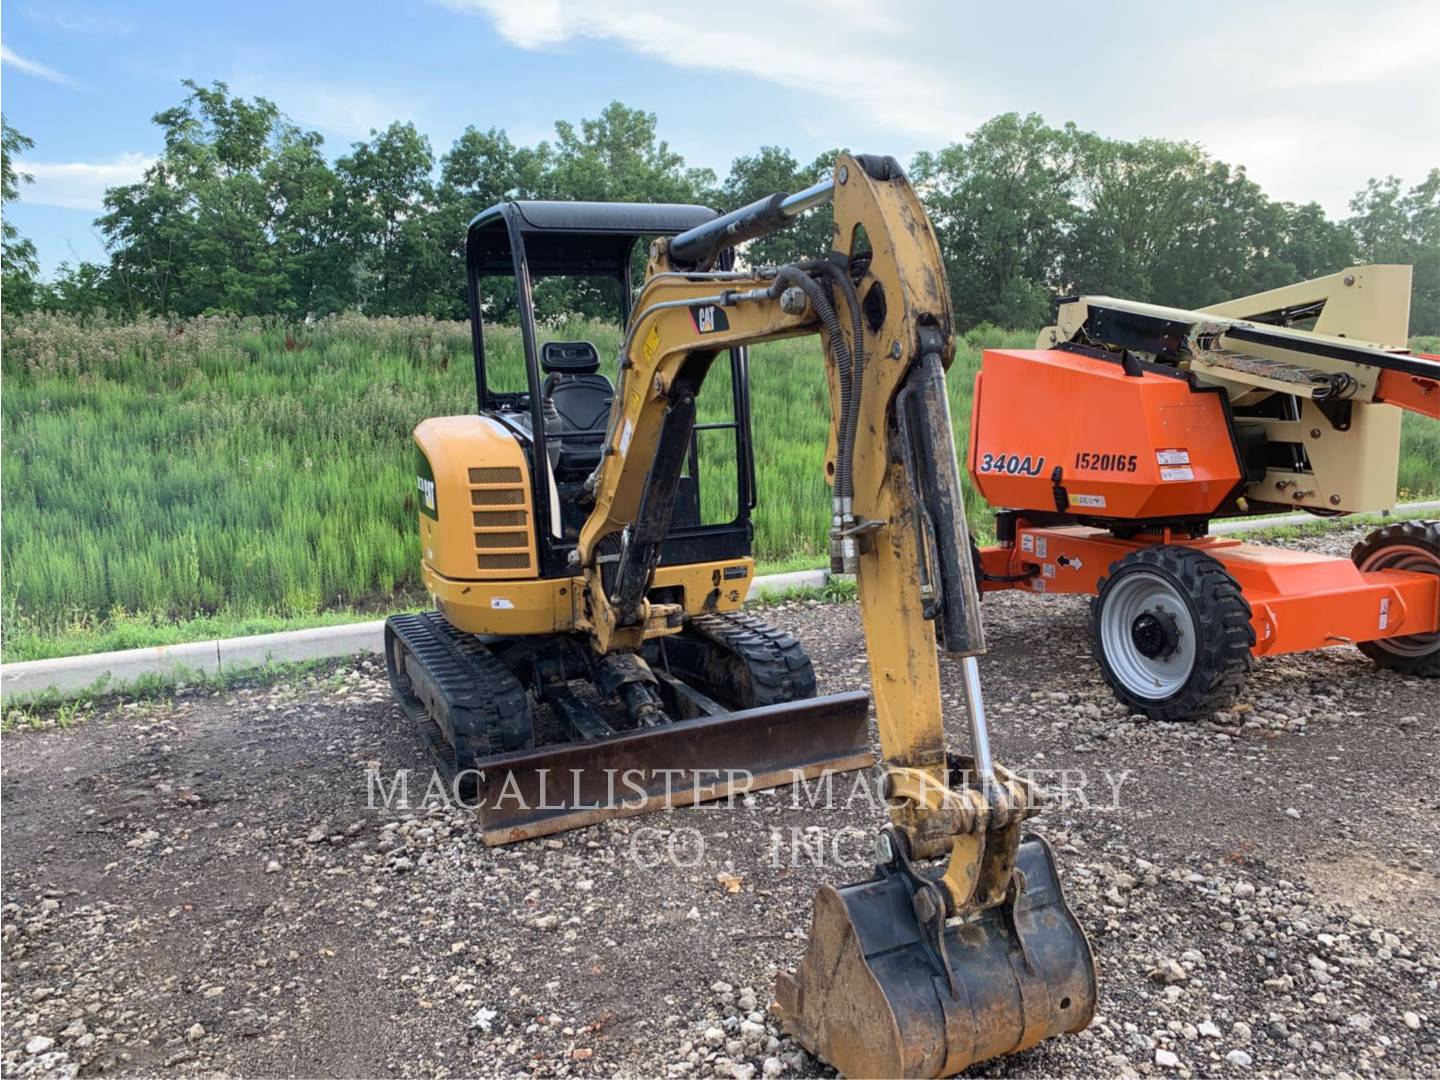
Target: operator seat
{"x":581,"y":397}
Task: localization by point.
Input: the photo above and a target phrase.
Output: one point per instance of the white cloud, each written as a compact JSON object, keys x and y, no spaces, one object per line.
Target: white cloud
{"x":1313,"y":96}
{"x":31,"y":67}
{"x":80,"y":21}
{"x":854,"y":53}
{"x":80,"y":185}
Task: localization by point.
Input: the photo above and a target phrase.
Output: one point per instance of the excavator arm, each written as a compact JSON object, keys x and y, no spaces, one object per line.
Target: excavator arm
{"x":898,"y":518}
{"x":927,"y":968}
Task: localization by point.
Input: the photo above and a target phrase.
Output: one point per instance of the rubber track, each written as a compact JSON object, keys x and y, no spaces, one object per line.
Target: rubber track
{"x":1421,"y":534}
{"x":779,"y":668}
{"x":489,"y":708}
{"x":1223,"y":624}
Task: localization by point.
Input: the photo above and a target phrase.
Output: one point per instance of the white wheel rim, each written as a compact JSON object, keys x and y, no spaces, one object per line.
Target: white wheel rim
{"x":1406,"y":557}
{"x":1142,"y":593}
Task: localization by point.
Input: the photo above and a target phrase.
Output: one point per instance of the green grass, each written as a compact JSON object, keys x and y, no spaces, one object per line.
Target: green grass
{"x":172,"y":482}
{"x":837,"y":590}
{"x":126,"y":631}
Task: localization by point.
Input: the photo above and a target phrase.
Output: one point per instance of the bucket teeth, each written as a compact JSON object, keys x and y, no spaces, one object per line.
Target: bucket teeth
{"x":871,"y":998}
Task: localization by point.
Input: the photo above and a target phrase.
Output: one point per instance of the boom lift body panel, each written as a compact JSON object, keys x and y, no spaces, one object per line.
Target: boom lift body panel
{"x":1109,"y":450}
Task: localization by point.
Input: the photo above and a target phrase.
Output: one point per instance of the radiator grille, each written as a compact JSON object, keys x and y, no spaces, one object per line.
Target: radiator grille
{"x":497,"y":497}
{"x":496,"y":518}
{"x":499,"y":544}
{"x":517,"y":561}
{"x":502,"y":540}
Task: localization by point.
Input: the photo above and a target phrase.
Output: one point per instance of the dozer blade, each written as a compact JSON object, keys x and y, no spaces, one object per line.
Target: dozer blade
{"x":530,"y":793}
{"x":873,"y":997}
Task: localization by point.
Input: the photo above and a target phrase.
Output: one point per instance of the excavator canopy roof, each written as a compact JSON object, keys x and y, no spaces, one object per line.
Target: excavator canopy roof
{"x":571,"y":238}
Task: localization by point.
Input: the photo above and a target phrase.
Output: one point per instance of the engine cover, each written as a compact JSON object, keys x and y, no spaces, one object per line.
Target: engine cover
{"x":1052,"y":430}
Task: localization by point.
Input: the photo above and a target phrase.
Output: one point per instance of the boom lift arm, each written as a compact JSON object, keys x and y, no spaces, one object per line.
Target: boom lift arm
{"x":919,"y":971}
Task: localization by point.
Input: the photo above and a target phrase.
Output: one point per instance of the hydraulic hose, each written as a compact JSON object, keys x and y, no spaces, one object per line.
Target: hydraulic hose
{"x":850,"y":421}
{"x":793,"y":275}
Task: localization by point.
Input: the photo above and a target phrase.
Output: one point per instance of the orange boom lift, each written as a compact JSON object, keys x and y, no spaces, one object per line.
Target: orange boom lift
{"x":1108,"y":450}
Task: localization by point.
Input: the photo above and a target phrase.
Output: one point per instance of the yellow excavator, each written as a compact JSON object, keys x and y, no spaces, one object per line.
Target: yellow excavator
{"x":587,"y":658}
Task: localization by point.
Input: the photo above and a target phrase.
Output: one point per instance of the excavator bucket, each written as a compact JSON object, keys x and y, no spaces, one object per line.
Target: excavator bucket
{"x":877,"y":994}
{"x":530,"y":793}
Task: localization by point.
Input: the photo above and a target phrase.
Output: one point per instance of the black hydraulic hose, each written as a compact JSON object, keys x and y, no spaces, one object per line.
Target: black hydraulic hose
{"x":793,"y":275}
{"x":850,"y":421}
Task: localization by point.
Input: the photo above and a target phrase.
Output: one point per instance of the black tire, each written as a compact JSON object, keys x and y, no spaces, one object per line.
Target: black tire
{"x":740,"y":661}
{"x":1198,"y":620}
{"x":1406,"y":545}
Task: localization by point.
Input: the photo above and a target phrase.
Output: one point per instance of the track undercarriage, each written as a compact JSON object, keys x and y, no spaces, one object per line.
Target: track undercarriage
{"x":540,"y":734}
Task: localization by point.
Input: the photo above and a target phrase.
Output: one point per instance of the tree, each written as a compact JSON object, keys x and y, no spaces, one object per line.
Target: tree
{"x":388,"y":194}
{"x":1391,"y":226}
{"x":1135,"y":203}
{"x":243,"y":213}
{"x":1305,"y":244}
{"x":306,"y":208}
{"x":197,"y":233}
{"x":616,"y":157}
{"x":1161,"y":221}
{"x":1001,"y":205}
{"x":19,"y":263}
{"x":83,"y":290}
{"x":481,"y":169}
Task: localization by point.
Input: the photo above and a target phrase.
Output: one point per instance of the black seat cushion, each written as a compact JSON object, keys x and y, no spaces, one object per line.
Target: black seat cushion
{"x":583,"y":401}
{"x":581,"y":398}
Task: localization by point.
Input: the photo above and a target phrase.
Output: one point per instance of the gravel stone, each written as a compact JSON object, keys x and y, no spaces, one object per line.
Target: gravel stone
{"x":393,"y":930}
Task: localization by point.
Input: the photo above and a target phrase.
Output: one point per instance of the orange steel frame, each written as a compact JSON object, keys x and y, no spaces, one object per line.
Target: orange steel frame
{"x":1410,"y":391}
{"x":1298,"y":600}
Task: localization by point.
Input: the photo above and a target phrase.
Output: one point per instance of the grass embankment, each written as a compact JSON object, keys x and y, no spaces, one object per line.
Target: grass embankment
{"x":177,"y":482}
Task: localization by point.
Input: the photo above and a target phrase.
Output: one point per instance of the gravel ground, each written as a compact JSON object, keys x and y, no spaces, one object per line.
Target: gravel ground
{"x":198,"y":886}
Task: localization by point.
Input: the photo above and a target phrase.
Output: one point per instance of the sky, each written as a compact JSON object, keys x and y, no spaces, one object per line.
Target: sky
{"x":1313,"y":97}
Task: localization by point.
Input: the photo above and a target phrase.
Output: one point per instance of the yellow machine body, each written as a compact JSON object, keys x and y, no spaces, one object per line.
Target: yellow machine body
{"x":478,"y":545}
